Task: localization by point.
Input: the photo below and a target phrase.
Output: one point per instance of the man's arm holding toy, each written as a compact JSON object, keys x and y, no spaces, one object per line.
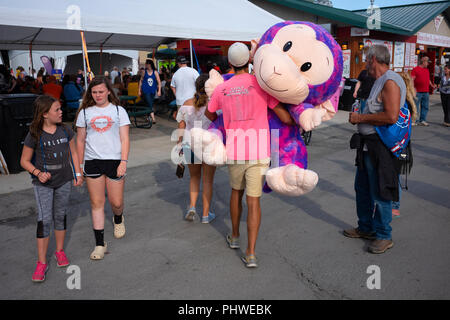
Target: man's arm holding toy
{"x":284,"y":115}
{"x":210,"y":115}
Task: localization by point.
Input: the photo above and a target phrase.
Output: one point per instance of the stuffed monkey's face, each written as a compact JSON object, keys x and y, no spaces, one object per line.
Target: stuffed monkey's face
{"x":294,"y":60}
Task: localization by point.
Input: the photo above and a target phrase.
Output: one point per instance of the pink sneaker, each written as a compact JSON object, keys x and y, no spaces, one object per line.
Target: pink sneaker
{"x":61,"y":259}
{"x":39,"y":273}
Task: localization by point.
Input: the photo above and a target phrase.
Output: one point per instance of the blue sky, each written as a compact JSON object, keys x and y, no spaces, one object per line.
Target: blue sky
{"x":364,"y":4}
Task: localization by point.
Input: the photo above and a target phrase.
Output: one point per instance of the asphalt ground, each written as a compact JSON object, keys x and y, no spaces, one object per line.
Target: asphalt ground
{"x":301,"y":251}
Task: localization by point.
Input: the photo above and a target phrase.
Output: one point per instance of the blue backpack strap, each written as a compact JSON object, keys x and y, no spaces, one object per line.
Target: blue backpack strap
{"x":42,"y":153}
{"x":396,"y":136}
{"x":85,"y":121}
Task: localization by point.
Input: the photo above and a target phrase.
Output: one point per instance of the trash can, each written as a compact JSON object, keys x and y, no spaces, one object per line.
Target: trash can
{"x":16,"y":114}
{"x":346,"y":100}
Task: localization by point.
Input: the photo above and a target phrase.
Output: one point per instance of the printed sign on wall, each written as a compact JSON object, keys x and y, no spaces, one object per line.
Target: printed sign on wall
{"x":346,"y":55}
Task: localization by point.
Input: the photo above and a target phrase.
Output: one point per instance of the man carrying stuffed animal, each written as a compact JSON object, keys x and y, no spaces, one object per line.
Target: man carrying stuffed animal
{"x":245,"y":107}
{"x":376,"y":182}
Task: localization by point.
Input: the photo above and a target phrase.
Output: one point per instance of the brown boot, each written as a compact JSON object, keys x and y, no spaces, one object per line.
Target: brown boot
{"x":380,"y":245}
{"x":355,"y":233}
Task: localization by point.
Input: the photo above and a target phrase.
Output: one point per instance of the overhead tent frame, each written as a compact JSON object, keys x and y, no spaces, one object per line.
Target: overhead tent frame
{"x":106,"y":26}
{"x":29,"y":24}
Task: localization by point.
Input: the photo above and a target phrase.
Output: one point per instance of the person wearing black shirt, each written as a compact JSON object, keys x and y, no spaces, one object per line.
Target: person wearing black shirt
{"x":363,"y":87}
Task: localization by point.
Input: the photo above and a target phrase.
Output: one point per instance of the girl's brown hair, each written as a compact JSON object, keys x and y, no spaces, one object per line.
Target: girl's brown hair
{"x":41,"y":105}
{"x":88,"y":100}
{"x":200,"y":97}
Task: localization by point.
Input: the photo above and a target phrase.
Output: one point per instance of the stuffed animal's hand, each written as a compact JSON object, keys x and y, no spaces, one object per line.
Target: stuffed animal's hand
{"x":331,"y":105}
{"x":328,"y":110}
{"x":209,"y":147}
{"x":291,"y":180}
{"x":311,"y":118}
{"x":214,"y":80}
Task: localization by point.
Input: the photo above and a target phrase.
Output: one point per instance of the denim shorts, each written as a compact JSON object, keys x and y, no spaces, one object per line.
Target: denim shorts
{"x":189,"y":156}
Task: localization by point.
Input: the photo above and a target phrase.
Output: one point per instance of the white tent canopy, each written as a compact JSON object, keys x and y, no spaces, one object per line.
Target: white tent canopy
{"x":130,"y":24}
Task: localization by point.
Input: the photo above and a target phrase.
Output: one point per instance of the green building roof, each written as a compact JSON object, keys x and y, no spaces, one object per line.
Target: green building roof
{"x":399,"y":21}
{"x":412,"y":17}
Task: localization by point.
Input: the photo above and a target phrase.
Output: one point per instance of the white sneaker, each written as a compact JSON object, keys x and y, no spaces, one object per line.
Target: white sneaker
{"x":190,"y":215}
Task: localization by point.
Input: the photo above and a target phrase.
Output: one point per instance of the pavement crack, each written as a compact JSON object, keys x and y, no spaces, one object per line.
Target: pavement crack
{"x":318,"y":291}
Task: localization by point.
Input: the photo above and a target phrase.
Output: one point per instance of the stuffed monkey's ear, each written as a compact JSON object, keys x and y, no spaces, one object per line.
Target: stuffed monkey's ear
{"x":255,"y":43}
{"x":214,"y":80}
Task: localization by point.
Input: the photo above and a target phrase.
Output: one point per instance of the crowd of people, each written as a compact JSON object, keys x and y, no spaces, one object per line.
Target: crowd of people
{"x":99,"y":154}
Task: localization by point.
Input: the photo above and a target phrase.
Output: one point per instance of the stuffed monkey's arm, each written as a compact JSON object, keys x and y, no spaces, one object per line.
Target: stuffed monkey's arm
{"x":296,"y":111}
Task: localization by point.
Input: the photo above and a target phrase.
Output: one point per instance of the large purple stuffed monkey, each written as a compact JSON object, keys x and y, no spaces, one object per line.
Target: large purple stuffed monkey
{"x":300,"y":64}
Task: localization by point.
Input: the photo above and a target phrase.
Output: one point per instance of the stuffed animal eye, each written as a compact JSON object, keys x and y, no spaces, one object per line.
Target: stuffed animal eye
{"x":306,"y":66}
{"x":287,"y":46}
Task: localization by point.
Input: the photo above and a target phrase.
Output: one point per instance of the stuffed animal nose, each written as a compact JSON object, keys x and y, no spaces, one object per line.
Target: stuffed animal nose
{"x":275,"y":71}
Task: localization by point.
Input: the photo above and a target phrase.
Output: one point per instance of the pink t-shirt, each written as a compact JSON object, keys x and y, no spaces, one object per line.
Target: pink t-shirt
{"x":244,"y":106}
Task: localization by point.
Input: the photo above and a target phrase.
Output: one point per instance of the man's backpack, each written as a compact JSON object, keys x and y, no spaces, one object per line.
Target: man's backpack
{"x":396,"y":136}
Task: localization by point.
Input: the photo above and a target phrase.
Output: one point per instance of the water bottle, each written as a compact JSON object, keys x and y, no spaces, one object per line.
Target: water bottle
{"x":356,"y":106}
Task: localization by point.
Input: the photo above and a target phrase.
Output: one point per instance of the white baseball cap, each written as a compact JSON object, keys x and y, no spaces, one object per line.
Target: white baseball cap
{"x":238,"y":54}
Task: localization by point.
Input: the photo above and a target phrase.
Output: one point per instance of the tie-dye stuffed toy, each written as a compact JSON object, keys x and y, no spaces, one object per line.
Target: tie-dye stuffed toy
{"x":299,"y":64}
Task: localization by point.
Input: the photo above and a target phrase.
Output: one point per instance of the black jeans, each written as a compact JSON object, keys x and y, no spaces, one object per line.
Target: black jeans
{"x":445,"y":99}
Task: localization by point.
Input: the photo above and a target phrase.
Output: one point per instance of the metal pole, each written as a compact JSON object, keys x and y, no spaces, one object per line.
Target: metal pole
{"x":30,"y":71}
{"x":101,"y":59}
{"x":190,"y":46}
{"x":85,"y":74}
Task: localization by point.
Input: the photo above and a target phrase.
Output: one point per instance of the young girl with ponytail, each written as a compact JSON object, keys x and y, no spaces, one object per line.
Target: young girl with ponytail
{"x":190,"y":115}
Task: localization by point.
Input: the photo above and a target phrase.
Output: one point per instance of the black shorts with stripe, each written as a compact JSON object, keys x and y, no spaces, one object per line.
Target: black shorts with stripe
{"x":96,"y":168}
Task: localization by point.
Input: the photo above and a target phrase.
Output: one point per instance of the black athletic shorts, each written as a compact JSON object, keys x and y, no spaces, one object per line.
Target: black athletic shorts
{"x":96,"y":168}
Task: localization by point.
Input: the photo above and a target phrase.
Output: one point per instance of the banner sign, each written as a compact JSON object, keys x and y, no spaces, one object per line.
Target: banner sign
{"x":47,"y":64}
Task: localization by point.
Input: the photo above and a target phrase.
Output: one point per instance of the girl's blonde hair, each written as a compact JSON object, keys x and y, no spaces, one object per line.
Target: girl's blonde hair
{"x":410,"y":94}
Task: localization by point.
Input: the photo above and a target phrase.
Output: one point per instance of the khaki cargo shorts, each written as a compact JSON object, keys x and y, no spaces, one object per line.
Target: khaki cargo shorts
{"x":248,"y":175}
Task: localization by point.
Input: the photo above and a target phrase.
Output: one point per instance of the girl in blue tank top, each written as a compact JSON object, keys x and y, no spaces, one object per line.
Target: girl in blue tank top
{"x":149,"y":85}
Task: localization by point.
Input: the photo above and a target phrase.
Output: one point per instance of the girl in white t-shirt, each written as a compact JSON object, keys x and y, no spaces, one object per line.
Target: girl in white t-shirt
{"x":103,"y":144}
{"x":190,"y":115}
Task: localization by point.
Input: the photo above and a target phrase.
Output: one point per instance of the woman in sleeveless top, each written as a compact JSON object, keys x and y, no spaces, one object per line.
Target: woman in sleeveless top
{"x":149,"y":85}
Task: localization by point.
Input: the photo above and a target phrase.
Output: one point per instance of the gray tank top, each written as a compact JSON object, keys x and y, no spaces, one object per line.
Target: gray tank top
{"x":374,"y":103}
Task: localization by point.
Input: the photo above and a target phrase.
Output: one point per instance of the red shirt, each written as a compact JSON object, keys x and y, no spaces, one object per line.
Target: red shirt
{"x":422,"y":79}
{"x":53,"y":90}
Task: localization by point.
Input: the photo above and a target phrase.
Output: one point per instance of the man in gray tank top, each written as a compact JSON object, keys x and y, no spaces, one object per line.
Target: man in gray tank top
{"x":376,"y":173}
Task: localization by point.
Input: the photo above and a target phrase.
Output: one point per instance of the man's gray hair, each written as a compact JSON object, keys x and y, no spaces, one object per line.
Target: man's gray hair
{"x":380,"y":52}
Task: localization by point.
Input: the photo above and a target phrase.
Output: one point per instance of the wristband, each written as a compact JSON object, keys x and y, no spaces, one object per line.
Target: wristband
{"x":32,"y":172}
{"x":78,"y":174}
{"x":124,"y":160}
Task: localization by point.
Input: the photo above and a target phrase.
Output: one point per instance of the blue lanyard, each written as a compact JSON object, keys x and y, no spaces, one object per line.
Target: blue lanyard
{"x":42,"y":153}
